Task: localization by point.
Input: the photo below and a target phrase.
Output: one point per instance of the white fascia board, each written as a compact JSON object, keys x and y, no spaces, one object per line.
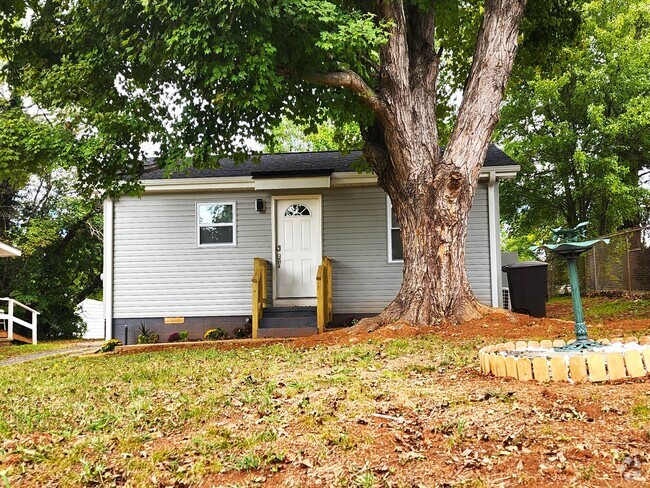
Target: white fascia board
{"x":8,"y":251}
{"x":199,"y":184}
{"x":501,"y":172}
{"x":289,"y":183}
{"x":231,"y":183}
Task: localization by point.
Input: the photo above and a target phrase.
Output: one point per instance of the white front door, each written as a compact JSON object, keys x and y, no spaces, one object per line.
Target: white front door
{"x":297,"y":246}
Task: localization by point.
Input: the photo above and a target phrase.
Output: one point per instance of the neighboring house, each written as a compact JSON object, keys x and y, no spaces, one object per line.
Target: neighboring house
{"x":92,"y":313}
{"x":181,"y":256}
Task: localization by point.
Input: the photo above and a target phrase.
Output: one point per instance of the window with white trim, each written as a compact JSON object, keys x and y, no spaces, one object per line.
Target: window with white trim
{"x":395,"y":249}
{"x":215,"y":224}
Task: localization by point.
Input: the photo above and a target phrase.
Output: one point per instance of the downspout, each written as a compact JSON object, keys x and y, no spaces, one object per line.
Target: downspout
{"x":107,"y":275}
{"x":494,"y":239}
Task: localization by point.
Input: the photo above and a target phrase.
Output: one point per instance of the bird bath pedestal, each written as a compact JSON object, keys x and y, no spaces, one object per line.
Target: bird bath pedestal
{"x":570,"y":245}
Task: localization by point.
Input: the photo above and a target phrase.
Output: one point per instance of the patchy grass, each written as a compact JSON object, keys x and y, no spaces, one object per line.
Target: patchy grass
{"x":17,"y":349}
{"x":601,"y":309}
{"x":380,"y":413}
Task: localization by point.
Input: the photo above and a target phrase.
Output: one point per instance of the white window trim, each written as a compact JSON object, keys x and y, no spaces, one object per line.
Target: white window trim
{"x":389,"y":228}
{"x":199,"y":225}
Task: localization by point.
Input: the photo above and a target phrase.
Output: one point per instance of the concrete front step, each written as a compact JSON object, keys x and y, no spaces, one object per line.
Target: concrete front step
{"x":287,"y":322}
{"x":286,"y":332}
{"x":289,"y":311}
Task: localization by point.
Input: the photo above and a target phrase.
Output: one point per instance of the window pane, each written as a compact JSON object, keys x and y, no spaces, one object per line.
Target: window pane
{"x":216,"y":235}
{"x":295,"y":210}
{"x":393,"y":218}
{"x":396,"y":242}
{"x":215,"y":214}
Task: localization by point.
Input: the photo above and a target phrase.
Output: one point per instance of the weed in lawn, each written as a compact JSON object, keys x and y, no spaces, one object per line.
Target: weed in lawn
{"x":93,"y":473}
{"x":339,"y":438}
{"x":248,"y":462}
{"x":586,"y":472}
{"x":641,"y":411}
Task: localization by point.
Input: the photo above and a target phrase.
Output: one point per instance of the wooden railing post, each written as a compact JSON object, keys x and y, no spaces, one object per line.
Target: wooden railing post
{"x":320,"y":299}
{"x":10,"y":325}
{"x":259,"y":292}
{"x":324,"y":310}
{"x":330,"y":314}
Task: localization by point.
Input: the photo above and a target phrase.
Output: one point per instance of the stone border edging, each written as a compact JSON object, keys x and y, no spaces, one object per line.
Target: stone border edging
{"x":592,"y":367}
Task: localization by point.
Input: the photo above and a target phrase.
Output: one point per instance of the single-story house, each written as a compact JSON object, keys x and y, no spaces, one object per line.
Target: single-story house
{"x":181,"y":256}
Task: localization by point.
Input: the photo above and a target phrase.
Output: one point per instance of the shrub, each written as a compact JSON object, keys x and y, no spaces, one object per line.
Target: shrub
{"x":244,"y":332}
{"x":182,"y":335}
{"x":146,"y":335}
{"x":108,"y":346}
{"x":215,"y":334}
{"x":174,"y":337}
{"x":350,"y":321}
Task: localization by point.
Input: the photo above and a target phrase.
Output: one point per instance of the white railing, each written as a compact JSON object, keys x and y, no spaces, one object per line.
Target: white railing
{"x":8,"y":319}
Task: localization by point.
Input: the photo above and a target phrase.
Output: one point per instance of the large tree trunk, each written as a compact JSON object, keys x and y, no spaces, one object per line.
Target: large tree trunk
{"x":432,"y":192}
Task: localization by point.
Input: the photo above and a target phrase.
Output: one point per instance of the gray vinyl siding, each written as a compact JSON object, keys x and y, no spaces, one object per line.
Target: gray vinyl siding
{"x":355,"y":236}
{"x":160,"y":272}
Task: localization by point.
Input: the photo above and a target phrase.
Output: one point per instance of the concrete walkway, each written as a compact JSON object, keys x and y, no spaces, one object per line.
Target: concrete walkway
{"x":73,"y":350}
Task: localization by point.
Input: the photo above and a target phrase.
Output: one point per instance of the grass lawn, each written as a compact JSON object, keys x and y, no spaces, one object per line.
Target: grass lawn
{"x":403,"y":412}
{"x":25,"y":349}
{"x":601,"y":309}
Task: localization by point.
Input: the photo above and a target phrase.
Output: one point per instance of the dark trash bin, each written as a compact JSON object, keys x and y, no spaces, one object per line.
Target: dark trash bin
{"x":527,"y":284}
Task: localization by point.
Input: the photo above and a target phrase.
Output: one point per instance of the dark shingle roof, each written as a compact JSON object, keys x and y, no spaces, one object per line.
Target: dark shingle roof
{"x":305,"y":163}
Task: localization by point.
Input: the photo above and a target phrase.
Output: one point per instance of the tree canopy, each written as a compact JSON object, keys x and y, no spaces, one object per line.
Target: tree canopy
{"x":578,"y":121}
{"x":203,"y":78}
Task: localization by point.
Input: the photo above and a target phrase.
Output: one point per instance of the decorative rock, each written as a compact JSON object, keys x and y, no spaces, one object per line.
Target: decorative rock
{"x":634,"y":364}
{"x":596,"y":366}
{"x":501,"y":366}
{"x":524,"y":369}
{"x":621,"y":362}
{"x":578,"y":369}
{"x":615,"y":365}
{"x":481,"y":361}
{"x":540,"y":369}
{"x":646,"y":359}
{"x":559,"y":369}
{"x":511,"y":367}
{"x":493,"y":363}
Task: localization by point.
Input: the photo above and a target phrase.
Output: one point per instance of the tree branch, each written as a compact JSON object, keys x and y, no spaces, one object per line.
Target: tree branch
{"x":344,"y":79}
{"x":494,"y":56}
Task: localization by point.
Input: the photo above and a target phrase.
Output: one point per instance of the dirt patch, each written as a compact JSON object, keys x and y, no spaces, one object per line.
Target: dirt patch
{"x":492,"y":327}
{"x":495,"y":326}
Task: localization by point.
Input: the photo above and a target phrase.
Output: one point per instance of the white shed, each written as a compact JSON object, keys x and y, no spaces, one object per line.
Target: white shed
{"x":92,"y":313}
